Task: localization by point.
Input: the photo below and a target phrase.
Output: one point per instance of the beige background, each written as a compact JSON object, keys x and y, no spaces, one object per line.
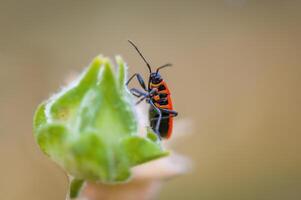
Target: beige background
{"x":236,"y":76}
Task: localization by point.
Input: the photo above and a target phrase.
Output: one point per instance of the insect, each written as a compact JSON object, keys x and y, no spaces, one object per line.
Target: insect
{"x":157,"y":94}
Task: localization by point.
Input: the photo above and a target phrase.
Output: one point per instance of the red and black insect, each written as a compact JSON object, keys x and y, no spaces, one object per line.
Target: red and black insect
{"x":157,"y":94}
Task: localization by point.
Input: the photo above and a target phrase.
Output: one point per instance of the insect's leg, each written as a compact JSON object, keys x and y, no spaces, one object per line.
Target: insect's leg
{"x":138,"y":93}
{"x":140,"y":80}
{"x":140,"y":100}
{"x":163,"y":117}
{"x":171,"y":112}
{"x":149,"y":94}
{"x":159,"y":118}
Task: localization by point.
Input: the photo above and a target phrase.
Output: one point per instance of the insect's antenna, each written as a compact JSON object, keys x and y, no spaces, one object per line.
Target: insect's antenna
{"x":150,"y":70}
{"x":166,"y":65}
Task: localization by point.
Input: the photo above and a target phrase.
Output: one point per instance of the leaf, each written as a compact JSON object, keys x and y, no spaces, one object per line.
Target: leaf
{"x":52,"y":139}
{"x":40,"y":117}
{"x":75,"y":187}
{"x":140,"y":150}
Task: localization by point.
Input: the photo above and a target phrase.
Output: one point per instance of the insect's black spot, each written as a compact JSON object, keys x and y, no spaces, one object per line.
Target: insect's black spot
{"x":161,"y":87}
{"x":163,"y":101}
{"x":163,"y":95}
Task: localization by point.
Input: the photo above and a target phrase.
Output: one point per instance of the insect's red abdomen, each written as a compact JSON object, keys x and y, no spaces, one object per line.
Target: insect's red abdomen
{"x":162,"y":100}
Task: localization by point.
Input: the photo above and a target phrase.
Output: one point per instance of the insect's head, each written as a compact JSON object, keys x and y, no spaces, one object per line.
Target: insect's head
{"x":153,"y":75}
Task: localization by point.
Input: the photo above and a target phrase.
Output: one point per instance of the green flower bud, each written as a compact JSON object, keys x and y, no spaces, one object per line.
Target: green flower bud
{"x":90,"y":127}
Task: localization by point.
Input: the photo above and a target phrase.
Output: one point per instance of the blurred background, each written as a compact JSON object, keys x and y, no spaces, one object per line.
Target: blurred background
{"x":236,"y":77}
